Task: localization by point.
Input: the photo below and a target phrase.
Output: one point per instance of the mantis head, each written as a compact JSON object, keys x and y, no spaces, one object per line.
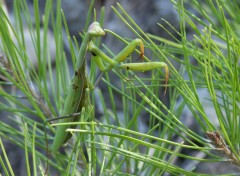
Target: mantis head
{"x":95,"y":30}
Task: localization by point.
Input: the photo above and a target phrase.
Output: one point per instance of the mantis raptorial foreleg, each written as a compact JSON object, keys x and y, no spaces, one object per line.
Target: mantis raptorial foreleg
{"x":116,"y":61}
{"x":76,"y":97}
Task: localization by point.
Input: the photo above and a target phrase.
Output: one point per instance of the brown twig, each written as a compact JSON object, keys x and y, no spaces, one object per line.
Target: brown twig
{"x":220,"y":144}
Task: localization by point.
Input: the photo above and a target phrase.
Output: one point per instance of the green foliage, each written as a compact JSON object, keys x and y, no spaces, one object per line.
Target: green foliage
{"x":113,"y":143}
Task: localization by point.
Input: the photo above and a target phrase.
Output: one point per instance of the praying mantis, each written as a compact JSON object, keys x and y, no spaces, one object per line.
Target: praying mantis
{"x":76,"y":98}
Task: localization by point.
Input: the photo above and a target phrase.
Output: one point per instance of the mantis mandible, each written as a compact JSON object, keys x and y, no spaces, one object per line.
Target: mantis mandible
{"x":76,"y":96}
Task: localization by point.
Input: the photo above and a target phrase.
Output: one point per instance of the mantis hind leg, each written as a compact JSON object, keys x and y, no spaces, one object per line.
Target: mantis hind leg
{"x":46,"y":138}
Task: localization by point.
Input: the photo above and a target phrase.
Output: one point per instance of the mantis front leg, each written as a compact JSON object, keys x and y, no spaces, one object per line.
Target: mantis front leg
{"x":116,"y":61}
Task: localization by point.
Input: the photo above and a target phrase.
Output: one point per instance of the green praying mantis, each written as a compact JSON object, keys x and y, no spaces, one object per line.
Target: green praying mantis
{"x":76,"y":98}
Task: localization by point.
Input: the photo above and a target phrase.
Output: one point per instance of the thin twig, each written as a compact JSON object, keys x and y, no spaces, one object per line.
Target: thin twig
{"x":219,"y":143}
